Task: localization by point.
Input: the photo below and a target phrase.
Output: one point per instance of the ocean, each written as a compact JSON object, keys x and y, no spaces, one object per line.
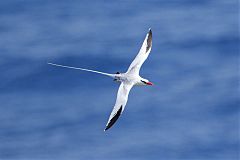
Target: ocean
{"x":48,"y":113}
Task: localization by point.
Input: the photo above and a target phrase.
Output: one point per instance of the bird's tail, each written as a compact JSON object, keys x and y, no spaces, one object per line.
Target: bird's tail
{"x":83,"y":69}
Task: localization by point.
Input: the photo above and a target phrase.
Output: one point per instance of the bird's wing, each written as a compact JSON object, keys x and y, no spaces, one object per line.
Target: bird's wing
{"x":142,"y":54}
{"x":83,"y":69}
{"x":122,"y":97}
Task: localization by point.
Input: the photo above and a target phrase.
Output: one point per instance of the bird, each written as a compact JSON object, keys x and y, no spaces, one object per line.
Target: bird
{"x":127,"y":80}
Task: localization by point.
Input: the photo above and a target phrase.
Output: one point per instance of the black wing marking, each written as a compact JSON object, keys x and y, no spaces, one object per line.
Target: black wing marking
{"x":114,"y":119}
{"x":149,"y":40}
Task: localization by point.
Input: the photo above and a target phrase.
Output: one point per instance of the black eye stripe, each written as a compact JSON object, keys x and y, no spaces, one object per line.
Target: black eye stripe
{"x":143,"y":81}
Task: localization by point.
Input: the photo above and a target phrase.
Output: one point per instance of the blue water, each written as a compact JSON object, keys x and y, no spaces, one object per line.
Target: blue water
{"x":192,"y":111}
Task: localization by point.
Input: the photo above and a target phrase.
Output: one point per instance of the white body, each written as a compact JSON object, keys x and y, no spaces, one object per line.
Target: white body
{"x":128,"y":79}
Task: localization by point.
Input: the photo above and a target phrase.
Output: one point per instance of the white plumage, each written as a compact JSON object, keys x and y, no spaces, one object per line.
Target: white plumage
{"x":128,"y":79}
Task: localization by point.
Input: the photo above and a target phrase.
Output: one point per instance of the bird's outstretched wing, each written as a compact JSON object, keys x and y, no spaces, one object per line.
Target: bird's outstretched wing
{"x":122,"y":97}
{"x":142,"y":54}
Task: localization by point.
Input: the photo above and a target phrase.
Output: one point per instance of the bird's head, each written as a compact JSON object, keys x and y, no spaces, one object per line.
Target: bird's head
{"x":146,"y":82}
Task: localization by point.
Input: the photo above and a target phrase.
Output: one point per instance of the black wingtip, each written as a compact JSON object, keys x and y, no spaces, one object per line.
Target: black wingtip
{"x":114,"y":119}
{"x":150,"y":31}
{"x":149,"y":40}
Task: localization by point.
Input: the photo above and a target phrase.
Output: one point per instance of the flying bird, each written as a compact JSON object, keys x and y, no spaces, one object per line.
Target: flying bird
{"x":127,"y":79}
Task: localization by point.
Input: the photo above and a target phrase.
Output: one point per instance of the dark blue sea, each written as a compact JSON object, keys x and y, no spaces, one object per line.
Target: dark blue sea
{"x":49,"y":113}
